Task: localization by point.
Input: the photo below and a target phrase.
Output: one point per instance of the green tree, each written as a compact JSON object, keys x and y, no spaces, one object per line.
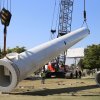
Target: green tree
{"x":19,"y":49}
{"x":16,"y":49}
{"x":92,"y":57}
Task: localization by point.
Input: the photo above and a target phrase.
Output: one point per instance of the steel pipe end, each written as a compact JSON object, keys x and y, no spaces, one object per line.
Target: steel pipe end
{"x":8,"y":76}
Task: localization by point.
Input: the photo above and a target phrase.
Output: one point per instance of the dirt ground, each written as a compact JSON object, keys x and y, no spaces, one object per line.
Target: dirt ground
{"x":55,"y":89}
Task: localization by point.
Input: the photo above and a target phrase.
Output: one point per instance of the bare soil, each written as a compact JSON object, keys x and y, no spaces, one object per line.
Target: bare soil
{"x":55,"y":89}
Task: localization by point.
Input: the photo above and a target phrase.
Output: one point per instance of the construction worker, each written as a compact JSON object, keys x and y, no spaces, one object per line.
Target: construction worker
{"x":43,"y":77}
{"x":80,"y":73}
{"x":76,"y":72}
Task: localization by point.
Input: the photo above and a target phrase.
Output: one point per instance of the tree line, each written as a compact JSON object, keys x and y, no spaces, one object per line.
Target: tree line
{"x":10,"y":50}
{"x":91,"y":58}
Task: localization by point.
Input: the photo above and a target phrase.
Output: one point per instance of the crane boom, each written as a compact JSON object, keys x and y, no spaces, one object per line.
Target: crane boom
{"x":65,"y":17}
{"x":65,"y":21}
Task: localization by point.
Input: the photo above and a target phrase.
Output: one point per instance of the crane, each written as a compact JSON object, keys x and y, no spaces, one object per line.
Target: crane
{"x":64,"y":27}
{"x":65,"y":21}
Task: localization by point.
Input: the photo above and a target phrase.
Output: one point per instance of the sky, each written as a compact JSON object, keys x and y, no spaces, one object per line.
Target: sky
{"x":31,"y":22}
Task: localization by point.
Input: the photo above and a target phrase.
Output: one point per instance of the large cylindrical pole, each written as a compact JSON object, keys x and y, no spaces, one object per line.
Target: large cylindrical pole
{"x":17,"y":68}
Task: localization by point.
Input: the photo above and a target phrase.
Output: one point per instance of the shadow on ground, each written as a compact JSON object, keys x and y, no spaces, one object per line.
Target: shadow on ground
{"x":68,"y":90}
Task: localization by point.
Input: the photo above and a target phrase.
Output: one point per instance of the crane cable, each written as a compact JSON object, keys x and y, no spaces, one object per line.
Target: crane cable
{"x":8,"y":4}
{"x":84,"y":15}
{"x":53,"y":30}
{"x":57,"y":16}
{"x":3,"y":3}
{"x":0,"y":4}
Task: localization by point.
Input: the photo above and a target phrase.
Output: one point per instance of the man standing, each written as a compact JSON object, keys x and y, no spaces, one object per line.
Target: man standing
{"x":43,"y":77}
{"x":80,"y":73}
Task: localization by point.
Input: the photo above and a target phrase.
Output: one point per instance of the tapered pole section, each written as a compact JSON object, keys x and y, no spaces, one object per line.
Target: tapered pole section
{"x":16,"y":67}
